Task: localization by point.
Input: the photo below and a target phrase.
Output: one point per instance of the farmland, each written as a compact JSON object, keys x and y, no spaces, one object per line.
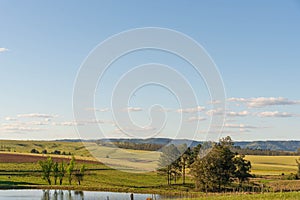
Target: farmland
{"x":19,"y":168}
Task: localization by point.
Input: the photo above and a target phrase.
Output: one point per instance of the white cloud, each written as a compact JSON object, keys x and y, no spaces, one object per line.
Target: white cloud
{"x":98,"y":109}
{"x":264,"y":101}
{"x":238,"y":114}
{"x":240,"y":126}
{"x":82,"y":122}
{"x":39,"y":123}
{"x":2,"y":49}
{"x":275,"y":114}
{"x":69,"y":123}
{"x":191,"y":110}
{"x":195,"y":119}
{"x":36,"y":115}
{"x":10,"y":119}
{"x":18,"y":127}
{"x":215,"y":112}
{"x":214,"y":102}
{"x":133,"y":109}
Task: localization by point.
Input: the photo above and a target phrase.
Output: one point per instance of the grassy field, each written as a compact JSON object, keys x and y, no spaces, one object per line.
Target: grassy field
{"x":123,"y":159}
{"x":273,"y":165}
{"x":139,"y":160}
{"x":19,"y":168}
{"x":266,"y":196}
{"x":99,"y":177}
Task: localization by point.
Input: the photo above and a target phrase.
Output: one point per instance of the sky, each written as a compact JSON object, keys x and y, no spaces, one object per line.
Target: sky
{"x":254,"y":44}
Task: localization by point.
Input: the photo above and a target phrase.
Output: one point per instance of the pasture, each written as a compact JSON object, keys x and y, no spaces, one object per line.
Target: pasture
{"x":273,"y":165}
{"x":19,"y":168}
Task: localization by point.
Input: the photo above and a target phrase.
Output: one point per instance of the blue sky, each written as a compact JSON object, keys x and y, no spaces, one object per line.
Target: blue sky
{"x":255,"y":45}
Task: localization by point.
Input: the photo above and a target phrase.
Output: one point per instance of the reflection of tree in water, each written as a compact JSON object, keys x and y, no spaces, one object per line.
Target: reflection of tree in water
{"x":62,"y":195}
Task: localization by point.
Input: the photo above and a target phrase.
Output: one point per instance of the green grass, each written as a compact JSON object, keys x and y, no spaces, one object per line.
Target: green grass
{"x":98,"y":177}
{"x":266,"y":196}
{"x":273,"y":165}
{"x":140,"y":160}
{"x":104,"y":178}
{"x":115,"y":157}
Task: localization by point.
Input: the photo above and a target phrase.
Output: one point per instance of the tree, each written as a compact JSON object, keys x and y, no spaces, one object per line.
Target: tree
{"x":194,"y":154}
{"x":44,"y":151}
{"x":216,"y":169}
{"x":185,"y":162}
{"x":55,"y":172}
{"x":62,"y":172}
{"x":298,"y":172}
{"x":243,"y":168}
{"x":46,"y":169}
{"x":70,"y":169}
{"x":79,"y":174}
{"x":168,"y":162}
{"x":34,"y":151}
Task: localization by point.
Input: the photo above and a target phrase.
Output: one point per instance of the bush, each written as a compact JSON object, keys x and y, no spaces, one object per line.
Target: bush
{"x":34,"y":151}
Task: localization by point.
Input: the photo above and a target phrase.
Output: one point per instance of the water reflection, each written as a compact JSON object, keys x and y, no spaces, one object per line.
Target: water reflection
{"x":62,"y":195}
{"x":80,"y":195}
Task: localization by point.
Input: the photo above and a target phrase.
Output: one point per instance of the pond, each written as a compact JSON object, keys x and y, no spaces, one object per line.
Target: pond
{"x":70,"y":195}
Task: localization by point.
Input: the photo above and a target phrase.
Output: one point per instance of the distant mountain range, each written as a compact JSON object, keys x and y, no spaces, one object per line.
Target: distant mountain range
{"x":263,"y":145}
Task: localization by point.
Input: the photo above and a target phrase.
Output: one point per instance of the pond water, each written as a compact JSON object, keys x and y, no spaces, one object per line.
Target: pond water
{"x":70,"y":195}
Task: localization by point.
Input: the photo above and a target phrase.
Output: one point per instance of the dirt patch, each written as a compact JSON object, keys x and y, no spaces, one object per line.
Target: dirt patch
{"x":25,"y":158}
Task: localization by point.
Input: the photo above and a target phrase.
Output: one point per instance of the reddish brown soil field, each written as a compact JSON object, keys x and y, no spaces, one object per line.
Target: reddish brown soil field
{"x":25,"y":158}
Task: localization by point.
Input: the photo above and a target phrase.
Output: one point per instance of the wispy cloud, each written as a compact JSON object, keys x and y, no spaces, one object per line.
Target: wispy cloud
{"x":68,"y":123}
{"x":133,"y":109}
{"x":10,"y":119}
{"x":276,"y":114}
{"x":191,"y":110}
{"x":243,"y":126}
{"x":82,"y":122}
{"x":36,"y":115}
{"x":238,"y":114}
{"x":19,"y":127}
{"x":2,"y":49}
{"x":215,"y":112}
{"x":264,"y":101}
{"x":196,"y":119}
{"x":98,"y":109}
{"x":214,"y":102}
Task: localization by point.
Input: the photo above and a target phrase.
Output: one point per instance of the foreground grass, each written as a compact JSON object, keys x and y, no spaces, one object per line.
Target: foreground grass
{"x":266,"y":196}
{"x":99,"y":178}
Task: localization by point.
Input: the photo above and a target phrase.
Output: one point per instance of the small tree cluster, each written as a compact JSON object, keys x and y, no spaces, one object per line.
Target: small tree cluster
{"x":174,"y":161}
{"x":219,"y":167}
{"x":57,"y":171}
{"x":213,"y":166}
{"x":56,"y":152}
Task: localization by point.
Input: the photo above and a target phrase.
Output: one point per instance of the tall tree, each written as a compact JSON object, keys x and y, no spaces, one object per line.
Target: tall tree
{"x":55,"y":172}
{"x":185,"y":162}
{"x":298,"y":172}
{"x":168,"y":160}
{"x":62,"y":172}
{"x":216,"y":169}
{"x":46,"y":169}
{"x":70,"y":169}
{"x":243,"y":167}
{"x":79,"y":174}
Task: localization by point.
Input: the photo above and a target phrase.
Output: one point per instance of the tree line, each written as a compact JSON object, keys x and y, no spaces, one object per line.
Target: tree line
{"x":264,"y":152}
{"x":213,"y":166}
{"x":58,"y":171}
{"x":55,"y":152}
{"x":134,"y":146}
